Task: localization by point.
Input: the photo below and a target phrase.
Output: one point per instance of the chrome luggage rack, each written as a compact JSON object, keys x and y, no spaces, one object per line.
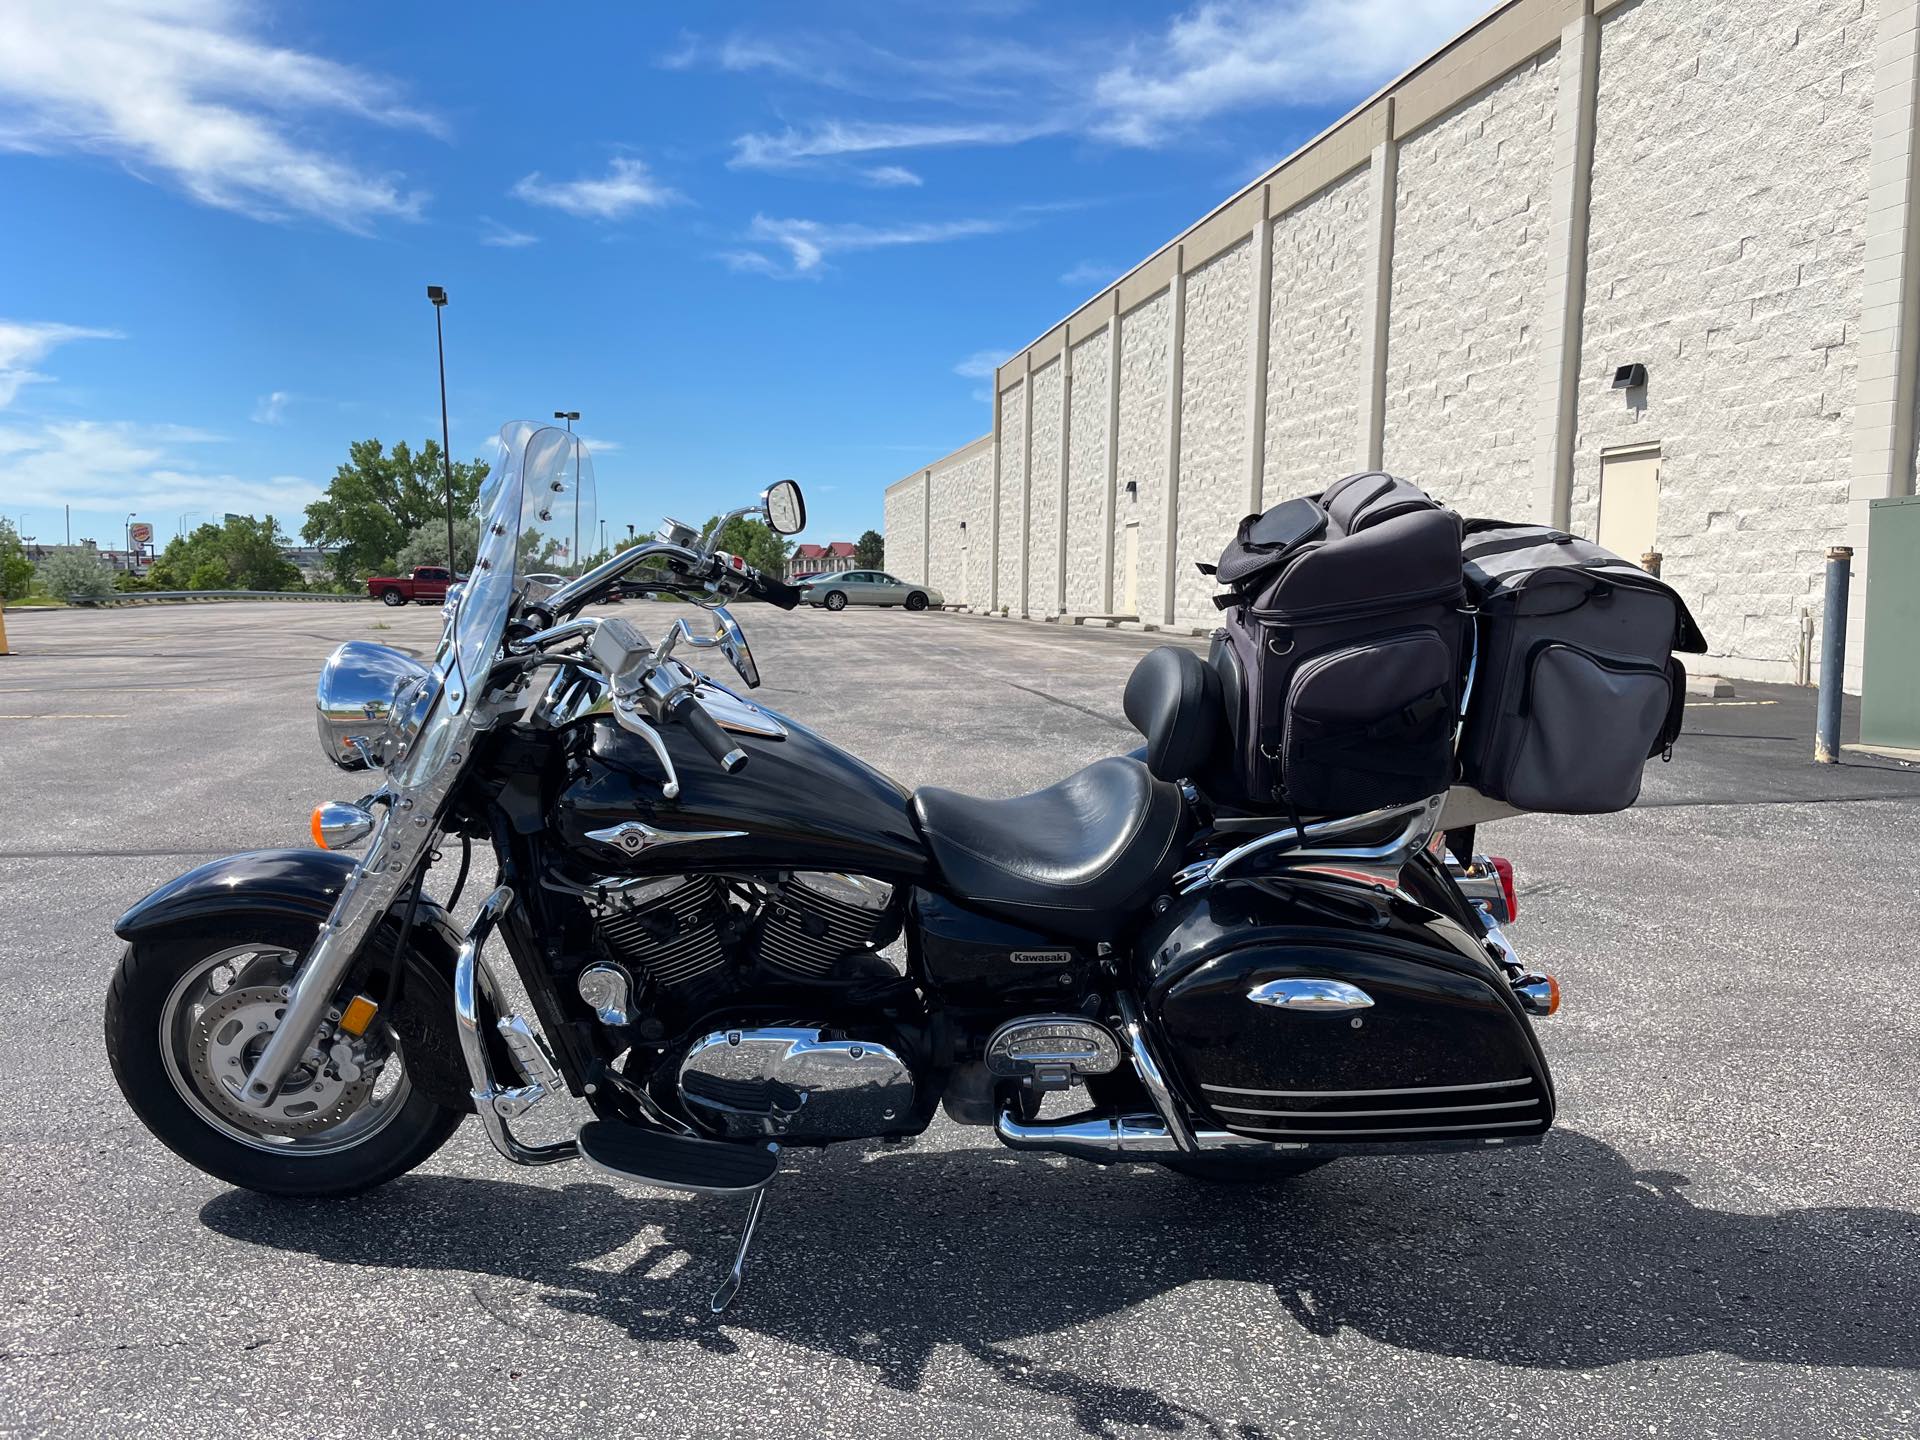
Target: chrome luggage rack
{"x":1379,"y":844}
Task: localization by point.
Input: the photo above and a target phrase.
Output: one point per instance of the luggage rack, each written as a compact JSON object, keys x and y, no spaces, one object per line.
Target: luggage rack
{"x":1408,"y":828}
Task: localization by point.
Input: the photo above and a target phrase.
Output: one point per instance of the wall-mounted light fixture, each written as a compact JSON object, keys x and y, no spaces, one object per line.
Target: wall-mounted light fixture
{"x":1630,"y":377}
{"x":963,"y":525}
{"x":1133,"y":489}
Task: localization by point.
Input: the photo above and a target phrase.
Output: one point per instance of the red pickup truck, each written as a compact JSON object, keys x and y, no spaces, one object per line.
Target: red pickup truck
{"x":428,"y":584}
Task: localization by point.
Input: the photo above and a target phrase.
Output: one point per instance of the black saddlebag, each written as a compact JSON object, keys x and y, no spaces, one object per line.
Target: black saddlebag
{"x":1281,"y":1027}
{"x":1341,"y":649}
{"x":1576,"y":685}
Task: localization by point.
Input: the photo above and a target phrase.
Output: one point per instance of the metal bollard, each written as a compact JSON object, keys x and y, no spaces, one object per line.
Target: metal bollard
{"x":1833,"y":655}
{"x":1650,"y":562}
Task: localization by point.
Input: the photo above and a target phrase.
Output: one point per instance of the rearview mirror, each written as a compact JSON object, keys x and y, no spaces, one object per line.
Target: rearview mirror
{"x":785,"y":509}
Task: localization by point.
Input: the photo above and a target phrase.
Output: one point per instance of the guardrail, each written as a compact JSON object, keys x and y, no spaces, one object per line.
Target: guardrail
{"x":142,"y":597}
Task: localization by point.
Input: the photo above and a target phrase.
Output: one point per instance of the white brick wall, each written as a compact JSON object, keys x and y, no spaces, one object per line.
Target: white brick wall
{"x":1321,"y":265}
{"x":1214,"y":422}
{"x":962,"y":490}
{"x":1012,"y":482}
{"x":900,"y":525}
{"x":1469,"y":270}
{"x":1043,"y":572}
{"x":1087,"y":472}
{"x":1142,"y":449}
{"x":1725,"y":252}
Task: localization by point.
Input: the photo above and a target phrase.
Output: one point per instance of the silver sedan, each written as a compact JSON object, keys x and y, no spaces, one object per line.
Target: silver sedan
{"x":866,"y":587}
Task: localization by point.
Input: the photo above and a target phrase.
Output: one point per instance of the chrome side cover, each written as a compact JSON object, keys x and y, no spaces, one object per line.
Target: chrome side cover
{"x":741,"y":1084}
{"x":1310,"y":993}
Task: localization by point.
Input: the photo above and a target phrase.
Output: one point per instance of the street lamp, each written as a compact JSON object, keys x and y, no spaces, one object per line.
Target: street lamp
{"x":570,"y":416}
{"x":129,"y":530}
{"x":438,"y":295}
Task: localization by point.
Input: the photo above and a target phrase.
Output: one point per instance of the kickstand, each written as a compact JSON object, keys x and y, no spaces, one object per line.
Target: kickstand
{"x":730,"y":1287}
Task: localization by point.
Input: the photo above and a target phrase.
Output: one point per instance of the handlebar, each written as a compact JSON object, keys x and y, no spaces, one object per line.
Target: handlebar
{"x":774,"y":592}
{"x":688,"y":711}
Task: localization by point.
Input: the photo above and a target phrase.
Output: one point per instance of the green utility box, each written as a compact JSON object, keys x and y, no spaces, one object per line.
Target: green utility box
{"x":1890,"y":687}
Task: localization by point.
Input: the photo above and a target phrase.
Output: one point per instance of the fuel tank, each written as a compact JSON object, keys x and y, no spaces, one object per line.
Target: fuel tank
{"x":800,"y":802}
{"x":1305,"y":1014}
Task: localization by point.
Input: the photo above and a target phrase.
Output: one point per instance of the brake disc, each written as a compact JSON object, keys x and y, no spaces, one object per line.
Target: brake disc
{"x":228,"y":1036}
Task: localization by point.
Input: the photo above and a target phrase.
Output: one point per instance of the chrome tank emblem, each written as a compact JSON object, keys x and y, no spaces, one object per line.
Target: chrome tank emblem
{"x":631,"y":837}
{"x":1311,"y":994}
{"x":777,"y":1083}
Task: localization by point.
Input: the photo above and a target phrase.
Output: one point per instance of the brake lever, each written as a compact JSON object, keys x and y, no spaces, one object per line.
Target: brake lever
{"x":630,"y":720}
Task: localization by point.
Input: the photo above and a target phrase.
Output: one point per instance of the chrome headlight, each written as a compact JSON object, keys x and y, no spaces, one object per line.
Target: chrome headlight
{"x":366,"y":695}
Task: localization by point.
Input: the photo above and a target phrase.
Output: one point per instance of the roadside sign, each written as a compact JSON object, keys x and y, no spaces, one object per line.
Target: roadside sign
{"x":140,"y":533}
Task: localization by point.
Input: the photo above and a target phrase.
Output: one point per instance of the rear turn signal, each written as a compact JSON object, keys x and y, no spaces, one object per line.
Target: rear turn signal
{"x":1503,"y":867}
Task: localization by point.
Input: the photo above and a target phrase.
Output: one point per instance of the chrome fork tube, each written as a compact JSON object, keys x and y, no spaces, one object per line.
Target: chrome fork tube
{"x":391,"y":860}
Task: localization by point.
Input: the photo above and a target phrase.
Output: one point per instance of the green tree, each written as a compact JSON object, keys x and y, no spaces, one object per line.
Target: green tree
{"x":870,"y":551}
{"x":379,"y":498}
{"x":754,"y":542}
{"x":16,"y":571}
{"x":73,"y":573}
{"x":428,"y":544}
{"x":241,"y":554}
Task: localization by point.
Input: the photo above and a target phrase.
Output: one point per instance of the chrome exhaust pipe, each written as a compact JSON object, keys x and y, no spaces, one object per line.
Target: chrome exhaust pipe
{"x":1106,"y":1139}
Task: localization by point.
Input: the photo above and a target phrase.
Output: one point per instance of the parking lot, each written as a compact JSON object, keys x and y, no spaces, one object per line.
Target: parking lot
{"x":1721,"y":1237}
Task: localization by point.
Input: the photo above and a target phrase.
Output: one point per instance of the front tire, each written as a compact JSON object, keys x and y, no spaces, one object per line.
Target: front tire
{"x":390,"y":596}
{"x":165,"y":1046}
{"x":916,"y":601}
{"x":835,"y":600}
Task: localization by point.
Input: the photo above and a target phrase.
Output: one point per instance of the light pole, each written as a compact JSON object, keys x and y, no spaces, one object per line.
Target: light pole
{"x":570,"y":416}
{"x":129,"y":542}
{"x":438,"y":295}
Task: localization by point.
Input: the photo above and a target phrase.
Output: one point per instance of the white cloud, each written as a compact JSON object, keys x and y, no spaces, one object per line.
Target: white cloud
{"x":116,"y":466}
{"x":982,"y":364}
{"x":505,"y":236}
{"x":627,"y":186}
{"x":271,"y":409}
{"x":23,"y":343}
{"x":1229,"y":55}
{"x":599,"y":447}
{"x":1088,"y":272}
{"x":836,"y":138}
{"x":809,"y":243}
{"x":182,"y":89}
{"x":891,"y":175}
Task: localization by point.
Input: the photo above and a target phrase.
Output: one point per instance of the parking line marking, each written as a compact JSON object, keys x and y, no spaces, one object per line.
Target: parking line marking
{"x":1725,"y":704}
{"x":58,"y":716}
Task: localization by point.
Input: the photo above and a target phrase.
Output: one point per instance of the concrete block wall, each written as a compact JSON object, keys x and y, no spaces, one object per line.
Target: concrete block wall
{"x":1043,"y":521}
{"x":1087,"y":473}
{"x":1214,"y":395}
{"x":1141,"y":455}
{"x":961,"y":496}
{"x":1732,"y":268}
{"x":1321,"y":263}
{"x":904,"y":527}
{"x":1469,"y":270}
{"x":1720,"y":191}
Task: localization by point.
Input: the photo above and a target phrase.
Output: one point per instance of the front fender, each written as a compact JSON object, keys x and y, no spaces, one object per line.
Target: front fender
{"x":302,"y":885}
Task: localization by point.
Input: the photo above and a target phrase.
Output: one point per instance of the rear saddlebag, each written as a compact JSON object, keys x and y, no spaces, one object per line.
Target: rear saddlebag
{"x":1341,"y":656}
{"x":1575,"y":685}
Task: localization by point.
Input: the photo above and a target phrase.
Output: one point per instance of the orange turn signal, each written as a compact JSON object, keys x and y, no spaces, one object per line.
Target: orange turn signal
{"x":319,"y":836}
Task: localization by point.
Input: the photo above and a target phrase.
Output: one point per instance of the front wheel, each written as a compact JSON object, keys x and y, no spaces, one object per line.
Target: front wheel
{"x":916,"y":601}
{"x":836,"y":601}
{"x":188,"y":1014}
{"x":391,"y":596}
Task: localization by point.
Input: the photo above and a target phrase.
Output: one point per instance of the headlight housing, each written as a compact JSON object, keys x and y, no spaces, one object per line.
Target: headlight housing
{"x":367,"y":698}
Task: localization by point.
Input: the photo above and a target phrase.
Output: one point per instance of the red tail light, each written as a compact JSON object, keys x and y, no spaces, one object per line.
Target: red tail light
{"x":1503,"y":867}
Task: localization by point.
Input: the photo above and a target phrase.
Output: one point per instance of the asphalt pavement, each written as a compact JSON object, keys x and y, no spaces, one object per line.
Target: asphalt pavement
{"x":1720,"y":1238}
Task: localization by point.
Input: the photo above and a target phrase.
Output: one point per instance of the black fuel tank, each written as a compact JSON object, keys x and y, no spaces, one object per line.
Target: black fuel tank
{"x":799,"y":803}
{"x":1284,"y":1023}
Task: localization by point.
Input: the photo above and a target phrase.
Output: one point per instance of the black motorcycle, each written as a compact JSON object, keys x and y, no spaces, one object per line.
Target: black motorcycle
{"x":736,"y":937}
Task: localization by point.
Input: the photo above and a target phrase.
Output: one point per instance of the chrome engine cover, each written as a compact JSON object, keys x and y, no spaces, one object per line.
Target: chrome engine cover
{"x":789,"y":1083}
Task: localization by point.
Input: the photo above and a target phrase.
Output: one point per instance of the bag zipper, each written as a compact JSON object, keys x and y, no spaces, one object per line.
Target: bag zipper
{"x":1288,"y":619}
{"x":1606,"y":662}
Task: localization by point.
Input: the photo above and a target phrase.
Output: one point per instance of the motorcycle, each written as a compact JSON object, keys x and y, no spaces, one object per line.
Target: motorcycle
{"x":735,"y":937}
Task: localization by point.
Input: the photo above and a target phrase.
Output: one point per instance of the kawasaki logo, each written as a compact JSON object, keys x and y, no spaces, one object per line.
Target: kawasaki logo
{"x":1041,"y":957}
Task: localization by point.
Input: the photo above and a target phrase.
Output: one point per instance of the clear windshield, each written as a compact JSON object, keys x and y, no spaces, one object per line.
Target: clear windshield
{"x":536,"y":519}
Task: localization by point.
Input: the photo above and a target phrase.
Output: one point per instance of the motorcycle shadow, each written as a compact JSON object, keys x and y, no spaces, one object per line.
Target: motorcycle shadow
{"x":1559,"y":1256}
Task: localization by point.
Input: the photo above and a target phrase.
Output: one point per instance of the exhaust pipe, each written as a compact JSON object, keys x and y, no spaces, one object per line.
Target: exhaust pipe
{"x":1105,"y":1139}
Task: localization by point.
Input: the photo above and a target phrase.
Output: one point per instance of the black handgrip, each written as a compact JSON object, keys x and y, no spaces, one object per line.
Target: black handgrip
{"x":704,"y":728}
{"x":774,"y":592}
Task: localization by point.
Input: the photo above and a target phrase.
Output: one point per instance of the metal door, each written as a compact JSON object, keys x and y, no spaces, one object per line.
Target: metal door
{"x":1630,"y":501}
{"x":1130,"y":570}
{"x":1890,"y":680}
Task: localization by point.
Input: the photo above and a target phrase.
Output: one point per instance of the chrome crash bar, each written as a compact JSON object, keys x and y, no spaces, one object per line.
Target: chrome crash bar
{"x":1310,"y":844}
{"x":497,"y":1104}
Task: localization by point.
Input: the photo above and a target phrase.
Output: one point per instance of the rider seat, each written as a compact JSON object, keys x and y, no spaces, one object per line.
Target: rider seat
{"x":1073,"y":859}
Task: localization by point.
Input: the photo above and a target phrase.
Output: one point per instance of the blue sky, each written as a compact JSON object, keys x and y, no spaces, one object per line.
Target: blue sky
{"x":745,"y":241}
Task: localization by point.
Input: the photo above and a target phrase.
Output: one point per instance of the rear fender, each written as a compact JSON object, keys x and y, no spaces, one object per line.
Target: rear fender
{"x":301,"y":886}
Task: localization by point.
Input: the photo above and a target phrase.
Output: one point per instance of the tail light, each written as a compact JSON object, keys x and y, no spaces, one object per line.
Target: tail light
{"x":1503,"y":867}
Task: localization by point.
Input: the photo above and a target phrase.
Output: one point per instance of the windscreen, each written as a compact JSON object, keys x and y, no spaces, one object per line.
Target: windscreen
{"x":537,"y":518}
